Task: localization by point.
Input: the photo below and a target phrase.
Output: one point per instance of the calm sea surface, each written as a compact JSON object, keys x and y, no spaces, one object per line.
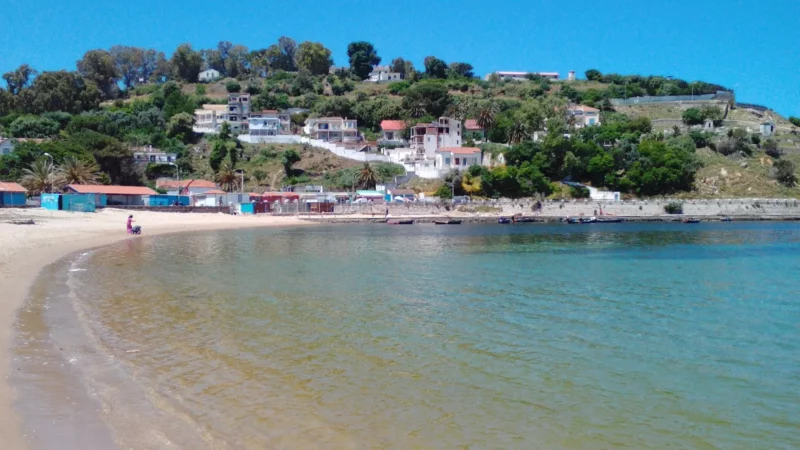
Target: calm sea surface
{"x":475,"y":336}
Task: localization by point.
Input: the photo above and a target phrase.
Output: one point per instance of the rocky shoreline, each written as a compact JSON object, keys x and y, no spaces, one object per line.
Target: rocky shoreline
{"x":545,"y":219}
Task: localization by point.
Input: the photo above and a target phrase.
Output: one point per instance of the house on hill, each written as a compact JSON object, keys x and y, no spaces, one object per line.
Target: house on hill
{"x":584,"y":116}
{"x":332,"y":129}
{"x":392,"y":132}
{"x":426,"y":138}
{"x":208,"y":75}
{"x":473,"y":131}
{"x":383,"y":73}
{"x":12,"y":194}
{"x":460,"y":158}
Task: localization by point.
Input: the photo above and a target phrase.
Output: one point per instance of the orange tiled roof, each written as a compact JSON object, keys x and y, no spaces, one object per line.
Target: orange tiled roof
{"x":11,"y":187}
{"x":459,"y":150}
{"x":393,"y":125}
{"x":215,"y":192}
{"x":472,"y":124}
{"x":111,"y":190}
{"x":173,"y":184}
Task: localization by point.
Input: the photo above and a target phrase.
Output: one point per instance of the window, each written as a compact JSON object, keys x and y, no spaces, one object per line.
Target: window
{"x":234,"y":118}
{"x":244,"y":99}
{"x":447,"y":161}
{"x":458,"y":162}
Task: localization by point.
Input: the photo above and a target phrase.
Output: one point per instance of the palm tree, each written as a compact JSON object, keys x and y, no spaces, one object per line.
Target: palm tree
{"x":460,"y":109}
{"x":367,"y":178}
{"x":39,"y":178}
{"x":75,"y":171}
{"x":486,"y":115}
{"x":227,"y":178}
{"x":518,"y":132}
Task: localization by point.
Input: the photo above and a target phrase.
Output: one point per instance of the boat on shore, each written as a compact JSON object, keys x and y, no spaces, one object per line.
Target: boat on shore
{"x":691,"y":220}
{"x":726,"y":219}
{"x":504,"y":220}
{"x":447,"y":222}
{"x":400,"y":222}
{"x":609,"y":220}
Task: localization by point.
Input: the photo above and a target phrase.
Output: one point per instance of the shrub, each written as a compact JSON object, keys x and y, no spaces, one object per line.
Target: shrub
{"x":233,"y":87}
{"x":784,"y":173}
{"x":692,"y":116}
{"x":771,"y":148}
{"x":579,"y":192}
{"x":253,"y":89}
{"x":200,"y":90}
{"x":673,"y":208}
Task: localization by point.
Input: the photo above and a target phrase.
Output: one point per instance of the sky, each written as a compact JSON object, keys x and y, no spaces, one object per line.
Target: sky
{"x":750,"y":46}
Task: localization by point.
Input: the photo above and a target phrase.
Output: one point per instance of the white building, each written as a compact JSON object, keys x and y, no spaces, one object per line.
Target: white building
{"x":186,"y":187}
{"x":448,"y":158}
{"x":208,"y":75}
{"x":269,"y":123}
{"x":426,"y":138}
{"x":146,"y":155}
{"x":584,"y":116}
{"x":392,"y":132}
{"x":332,"y":129}
{"x":521,"y":76}
{"x":384,"y":73}
{"x":236,"y":113}
{"x":6,"y":146}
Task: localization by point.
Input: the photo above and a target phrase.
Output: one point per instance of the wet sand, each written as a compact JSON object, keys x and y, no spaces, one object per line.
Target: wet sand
{"x":26,"y":249}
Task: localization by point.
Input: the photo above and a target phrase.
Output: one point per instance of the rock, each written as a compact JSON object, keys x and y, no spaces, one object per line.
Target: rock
{"x":723,"y":173}
{"x":744,"y":164}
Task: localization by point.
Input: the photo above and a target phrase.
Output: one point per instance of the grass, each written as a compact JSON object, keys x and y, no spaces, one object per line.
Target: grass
{"x":723,"y":177}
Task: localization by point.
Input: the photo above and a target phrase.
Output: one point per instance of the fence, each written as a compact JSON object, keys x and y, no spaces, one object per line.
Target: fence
{"x":661,"y":99}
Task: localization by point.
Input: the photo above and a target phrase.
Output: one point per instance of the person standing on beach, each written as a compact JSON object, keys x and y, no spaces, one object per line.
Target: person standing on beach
{"x":130,"y":224}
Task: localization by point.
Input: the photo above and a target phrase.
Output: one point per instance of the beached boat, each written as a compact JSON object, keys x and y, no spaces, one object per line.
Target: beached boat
{"x":589,"y":220}
{"x":524,"y":220}
{"x":504,"y":220}
{"x":608,"y":220}
{"x":400,"y":222}
{"x":573,"y":220}
{"x":447,"y":222}
{"x":691,"y":221}
{"x":726,"y":219}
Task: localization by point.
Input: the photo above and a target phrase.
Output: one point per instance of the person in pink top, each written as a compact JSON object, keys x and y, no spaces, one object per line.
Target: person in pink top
{"x":130,"y":224}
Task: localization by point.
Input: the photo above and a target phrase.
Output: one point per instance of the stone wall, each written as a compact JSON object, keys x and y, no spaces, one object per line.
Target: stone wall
{"x":177,"y":209}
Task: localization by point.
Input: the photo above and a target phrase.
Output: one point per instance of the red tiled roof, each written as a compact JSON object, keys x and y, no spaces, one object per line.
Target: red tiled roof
{"x":460,"y":150}
{"x":215,"y":192}
{"x":472,"y":124}
{"x":111,"y":190}
{"x":11,"y":187}
{"x":393,"y":125}
{"x":173,"y":184}
{"x":584,"y":108}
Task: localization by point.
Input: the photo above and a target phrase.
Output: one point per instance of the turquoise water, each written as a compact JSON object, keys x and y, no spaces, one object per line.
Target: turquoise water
{"x":473,"y":336}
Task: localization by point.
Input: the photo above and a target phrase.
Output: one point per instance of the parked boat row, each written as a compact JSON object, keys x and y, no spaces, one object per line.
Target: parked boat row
{"x":580,"y":220}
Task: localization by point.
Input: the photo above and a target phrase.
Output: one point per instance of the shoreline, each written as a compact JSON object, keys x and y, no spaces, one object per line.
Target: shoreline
{"x":25,"y":250}
{"x":546,"y":219}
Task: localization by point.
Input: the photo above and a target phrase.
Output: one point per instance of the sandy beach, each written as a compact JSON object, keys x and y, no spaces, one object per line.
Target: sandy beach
{"x":26,"y":249}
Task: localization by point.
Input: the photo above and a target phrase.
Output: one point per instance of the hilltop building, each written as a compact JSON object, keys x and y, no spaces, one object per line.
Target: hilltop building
{"x":521,"y":76}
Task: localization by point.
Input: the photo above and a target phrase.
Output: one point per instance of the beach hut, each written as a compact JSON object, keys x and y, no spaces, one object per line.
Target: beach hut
{"x":111,"y":195}
{"x":12,"y":194}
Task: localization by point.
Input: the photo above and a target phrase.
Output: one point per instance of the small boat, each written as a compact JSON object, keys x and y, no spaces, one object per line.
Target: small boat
{"x":608,"y":220}
{"x":504,"y":220}
{"x":447,"y":222}
{"x":573,"y":220}
{"x":400,"y":222}
{"x":524,"y":220}
{"x":588,"y":219}
{"x":726,"y":219}
{"x":691,"y":221}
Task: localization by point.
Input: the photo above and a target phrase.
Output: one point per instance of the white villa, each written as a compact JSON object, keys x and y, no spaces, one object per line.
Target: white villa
{"x":426,"y":138}
{"x":384,"y":73}
{"x":148,"y":154}
{"x":332,"y":129}
{"x":520,"y":76}
{"x":270,"y":123}
{"x":392,"y":132}
{"x":459,"y":158}
{"x":208,"y":75}
{"x":236,"y":113}
{"x":584,"y":116}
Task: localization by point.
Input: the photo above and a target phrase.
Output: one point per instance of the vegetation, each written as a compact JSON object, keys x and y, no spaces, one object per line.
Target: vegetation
{"x":673,"y":208}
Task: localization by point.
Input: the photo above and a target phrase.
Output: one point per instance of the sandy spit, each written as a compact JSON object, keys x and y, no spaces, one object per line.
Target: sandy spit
{"x":26,"y":249}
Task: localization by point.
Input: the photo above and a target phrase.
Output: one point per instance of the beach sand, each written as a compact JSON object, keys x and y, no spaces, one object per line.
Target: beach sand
{"x":26,"y":249}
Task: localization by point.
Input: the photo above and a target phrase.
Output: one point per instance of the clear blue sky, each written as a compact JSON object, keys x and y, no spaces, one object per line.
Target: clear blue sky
{"x":748,"y":45}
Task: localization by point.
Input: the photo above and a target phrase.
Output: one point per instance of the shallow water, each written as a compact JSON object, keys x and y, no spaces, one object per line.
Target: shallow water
{"x":473,"y":336}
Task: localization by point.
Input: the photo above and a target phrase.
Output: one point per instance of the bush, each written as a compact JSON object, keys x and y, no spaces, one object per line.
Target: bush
{"x":693,"y":116}
{"x":673,"y":208}
{"x":253,"y":89}
{"x":579,"y":192}
{"x":200,"y":90}
{"x":444,"y":191}
{"x":399,"y":87}
{"x":784,"y":173}
{"x":771,"y":148}
{"x":755,"y":139}
{"x":795,"y":121}
{"x":701,"y":138}
{"x":233,"y":87}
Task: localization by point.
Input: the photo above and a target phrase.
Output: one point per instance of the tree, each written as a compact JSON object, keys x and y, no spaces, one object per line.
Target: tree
{"x":486,"y":113}
{"x":363,"y":57}
{"x":233,"y":87}
{"x":34,"y":127}
{"x":114,"y":158}
{"x":236,"y":62}
{"x":593,"y":75}
{"x":218,"y":153}
{"x":693,"y":116}
{"x":288,"y":159}
{"x":19,"y":79}
{"x":435,"y":67}
{"x":156,"y":68}
{"x":180,"y":126}
{"x":77,"y":171}
{"x":427,"y":98}
{"x":7,"y":102}
{"x":39,"y":177}
{"x":227,"y":178}
{"x":518,"y":132}
{"x":313,"y":58}
{"x":399,"y":66}
{"x":60,"y":91}
{"x":187,"y":63}
{"x":259,"y":175}
{"x":98,"y":66}
{"x":410,"y":72}
{"x":795,"y":121}
{"x":460,"y":70}
{"x":784,"y":173}
{"x":281,"y":56}
{"x":129,"y":62}
{"x":367,"y":178}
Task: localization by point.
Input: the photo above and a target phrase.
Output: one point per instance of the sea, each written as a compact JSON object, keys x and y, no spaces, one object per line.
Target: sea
{"x":520,"y":336}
